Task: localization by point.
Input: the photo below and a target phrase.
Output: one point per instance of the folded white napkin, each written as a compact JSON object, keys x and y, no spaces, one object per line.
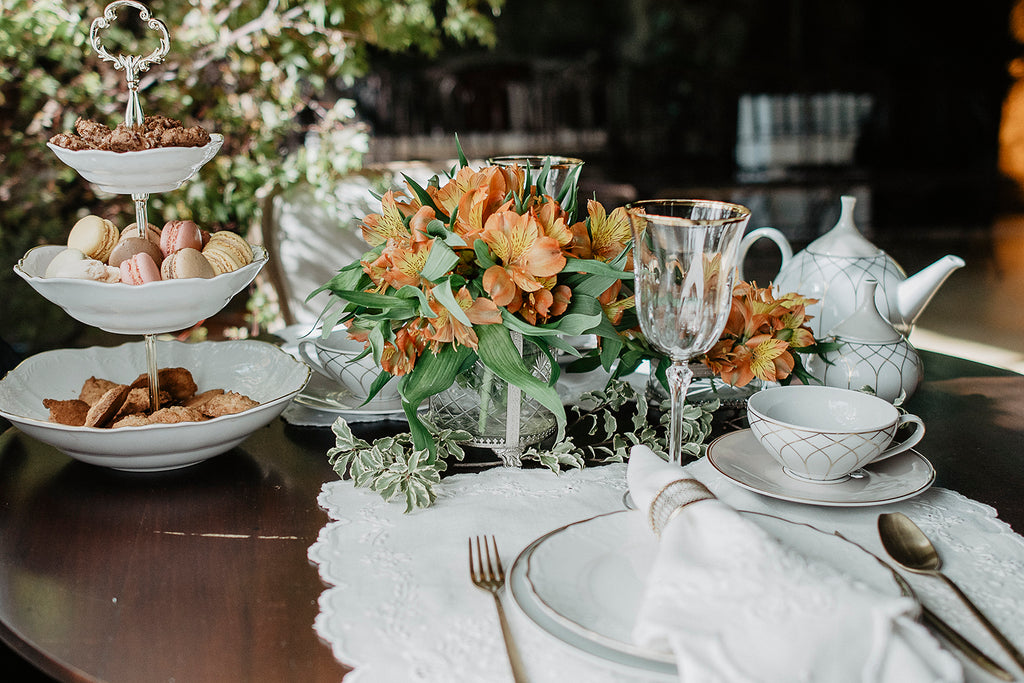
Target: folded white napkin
{"x":733,"y":604}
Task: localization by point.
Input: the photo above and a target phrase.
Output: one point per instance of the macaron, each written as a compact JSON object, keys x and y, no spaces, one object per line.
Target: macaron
{"x":74,"y":264}
{"x":94,"y":236}
{"x":130,"y":246}
{"x":178,"y":235}
{"x":227,"y":251}
{"x":185,"y":263}
{"x":152,"y":232}
{"x":139,"y":269}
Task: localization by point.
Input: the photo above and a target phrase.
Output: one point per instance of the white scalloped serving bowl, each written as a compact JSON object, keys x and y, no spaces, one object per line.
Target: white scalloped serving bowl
{"x":146,"y":172}
{"x":152,"y":308}
{"x":256,"y":369}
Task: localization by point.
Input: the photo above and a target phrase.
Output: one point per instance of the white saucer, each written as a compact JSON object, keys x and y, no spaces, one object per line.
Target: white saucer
{"x":323,"y":395}
{"x":740,"y":457}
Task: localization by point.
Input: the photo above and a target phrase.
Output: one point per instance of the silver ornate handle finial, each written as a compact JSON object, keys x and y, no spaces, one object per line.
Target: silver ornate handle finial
{"x":133,"y":65}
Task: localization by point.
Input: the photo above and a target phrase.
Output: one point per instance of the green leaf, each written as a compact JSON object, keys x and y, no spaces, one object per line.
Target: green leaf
{"x":440,"y":261}
{"x":432,"y":373}
{"x":583,"y":315}
{"x":350,"y":277}
{"x":498,"y":353}
{"x":463,"y":162}
{"x":421,"y":194}
{"x":483,"y":255}
{"x":397,"y":307}
{"x":595,"y":267}
{"x":443,"y":293}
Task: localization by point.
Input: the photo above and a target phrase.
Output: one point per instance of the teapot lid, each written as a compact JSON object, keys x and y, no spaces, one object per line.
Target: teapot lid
{"x":844,"y":239}
{"x":866,"y":324}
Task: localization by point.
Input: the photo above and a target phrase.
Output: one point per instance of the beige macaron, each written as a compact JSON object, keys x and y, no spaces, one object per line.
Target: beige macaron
{"x":185,"y":263}
{"x":94,"y":236}
{"x":226,"y":251}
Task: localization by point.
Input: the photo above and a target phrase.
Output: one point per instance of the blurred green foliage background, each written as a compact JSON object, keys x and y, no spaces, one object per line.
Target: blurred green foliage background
{"x":265,"y":74}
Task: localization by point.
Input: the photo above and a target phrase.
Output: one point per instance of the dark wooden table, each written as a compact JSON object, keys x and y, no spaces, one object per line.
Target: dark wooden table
{"x":201,"y":574}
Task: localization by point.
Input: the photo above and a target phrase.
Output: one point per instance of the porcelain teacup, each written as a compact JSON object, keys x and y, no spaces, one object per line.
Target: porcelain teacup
{"x":336,"y":357}
{"x":822,"y":434}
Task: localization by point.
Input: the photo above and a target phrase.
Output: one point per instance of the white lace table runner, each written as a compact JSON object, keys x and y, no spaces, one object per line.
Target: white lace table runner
{"x":400,"y":606}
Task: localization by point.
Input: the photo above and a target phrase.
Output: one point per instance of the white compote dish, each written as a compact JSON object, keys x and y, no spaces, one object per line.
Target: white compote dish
{"x":259,"y":370}
{"x":148,"y":171}
{"x":151,"y":308}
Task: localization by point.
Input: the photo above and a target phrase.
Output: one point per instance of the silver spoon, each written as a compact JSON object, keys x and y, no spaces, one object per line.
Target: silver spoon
{"x":911,"y":549}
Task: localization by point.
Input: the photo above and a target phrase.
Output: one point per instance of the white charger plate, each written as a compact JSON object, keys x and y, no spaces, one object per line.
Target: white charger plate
{"x":583,"y":583}
{"x":741,"y":457}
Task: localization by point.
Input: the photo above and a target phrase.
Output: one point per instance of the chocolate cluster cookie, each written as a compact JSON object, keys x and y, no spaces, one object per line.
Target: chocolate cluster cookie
{"x":155,"y":132}
{"x":103,"y":403}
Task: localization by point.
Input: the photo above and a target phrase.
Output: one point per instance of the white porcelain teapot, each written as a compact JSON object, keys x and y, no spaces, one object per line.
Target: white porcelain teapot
{"x":832,"y":268}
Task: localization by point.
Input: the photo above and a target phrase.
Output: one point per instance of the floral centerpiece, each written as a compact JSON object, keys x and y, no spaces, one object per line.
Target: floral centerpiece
{"x":456,"y":267}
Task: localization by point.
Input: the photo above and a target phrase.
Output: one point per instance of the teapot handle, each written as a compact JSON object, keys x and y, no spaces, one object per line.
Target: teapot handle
{"x":770,"y":233}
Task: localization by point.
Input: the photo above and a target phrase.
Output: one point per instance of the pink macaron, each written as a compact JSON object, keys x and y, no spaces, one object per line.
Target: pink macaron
{"x":178,"y":235}
{"x":139,"y":269}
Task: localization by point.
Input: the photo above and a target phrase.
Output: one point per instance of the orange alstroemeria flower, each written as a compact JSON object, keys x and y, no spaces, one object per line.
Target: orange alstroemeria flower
{"x":552,"y":221}
{"x":609,"y":233}
{"x":613,"y":306}
{"x":388,"y":224}
{"x":524,"y":253}
{"x":399,"y":357}
{"x":491,"y":180}
{"x":405,"y":263}
{"x":544,"y":304}
{"x":447,"y":329}
{"x":474,"y":210}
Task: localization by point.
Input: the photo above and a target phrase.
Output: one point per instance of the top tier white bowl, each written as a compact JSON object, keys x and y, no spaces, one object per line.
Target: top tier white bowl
{"x":152,"y":308}
{"x":146,"y":172}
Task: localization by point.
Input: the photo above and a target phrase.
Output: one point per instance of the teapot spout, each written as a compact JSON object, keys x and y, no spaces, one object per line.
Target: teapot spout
{"x":914,"y":293}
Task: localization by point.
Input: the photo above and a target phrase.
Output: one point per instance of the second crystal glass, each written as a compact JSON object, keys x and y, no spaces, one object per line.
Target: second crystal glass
{"x":685,"y":257}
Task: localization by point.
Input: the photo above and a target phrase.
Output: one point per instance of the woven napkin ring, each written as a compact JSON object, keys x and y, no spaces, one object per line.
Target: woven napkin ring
{"x":671,"y":500}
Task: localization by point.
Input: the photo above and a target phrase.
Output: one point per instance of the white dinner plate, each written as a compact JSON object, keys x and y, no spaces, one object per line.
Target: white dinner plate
{"x":583,"y":583}
{"x":740,"y":457}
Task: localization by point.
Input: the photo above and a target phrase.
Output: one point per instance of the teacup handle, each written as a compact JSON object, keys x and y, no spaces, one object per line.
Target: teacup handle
{"x":310,"y":357}
{"x":907,"y":443}
{"x":769,"y":233}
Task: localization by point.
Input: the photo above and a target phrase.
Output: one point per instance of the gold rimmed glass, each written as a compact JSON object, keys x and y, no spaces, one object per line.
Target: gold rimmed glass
{"x":685,"y":256}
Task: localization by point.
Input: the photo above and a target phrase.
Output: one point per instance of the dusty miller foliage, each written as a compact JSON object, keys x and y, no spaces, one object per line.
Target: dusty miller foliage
{"x":608,"y":422}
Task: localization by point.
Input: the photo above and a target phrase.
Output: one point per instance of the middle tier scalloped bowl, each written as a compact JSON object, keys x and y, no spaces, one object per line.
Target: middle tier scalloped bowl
{"x":152,"y":308}
{"x":145,"y":172}
{"x":257,"y":369}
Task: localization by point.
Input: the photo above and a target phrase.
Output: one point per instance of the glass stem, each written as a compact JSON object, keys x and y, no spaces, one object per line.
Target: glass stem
{"x":679,"y":376}
{"x":151,"y":369}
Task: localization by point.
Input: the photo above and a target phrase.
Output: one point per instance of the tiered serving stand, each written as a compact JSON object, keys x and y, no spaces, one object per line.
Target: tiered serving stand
{"x":156,"y":307}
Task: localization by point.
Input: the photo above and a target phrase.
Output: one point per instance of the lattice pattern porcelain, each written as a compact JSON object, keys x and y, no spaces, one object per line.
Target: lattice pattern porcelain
{"x":832,"y":268}
{"x":872,"y":354}
{"x":336,"y":357}
{"x":822,"y":434}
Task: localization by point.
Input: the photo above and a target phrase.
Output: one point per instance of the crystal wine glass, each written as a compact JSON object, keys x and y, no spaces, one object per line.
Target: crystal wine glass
{"x":685,"y":258}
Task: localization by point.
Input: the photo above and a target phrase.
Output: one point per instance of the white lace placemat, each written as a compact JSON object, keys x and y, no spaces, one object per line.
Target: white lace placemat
{"x":400,"y":606}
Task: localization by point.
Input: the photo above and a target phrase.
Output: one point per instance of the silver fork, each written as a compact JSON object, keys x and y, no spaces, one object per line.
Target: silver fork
{"x":489,"y":575}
